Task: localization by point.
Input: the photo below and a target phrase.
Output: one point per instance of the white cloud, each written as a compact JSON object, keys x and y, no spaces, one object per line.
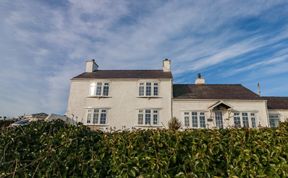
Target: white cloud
{"x":44,"y":46}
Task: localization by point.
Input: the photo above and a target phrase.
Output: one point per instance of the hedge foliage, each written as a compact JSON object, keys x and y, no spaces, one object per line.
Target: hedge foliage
{"x":5,"y":123}
{"x":59,"y":150}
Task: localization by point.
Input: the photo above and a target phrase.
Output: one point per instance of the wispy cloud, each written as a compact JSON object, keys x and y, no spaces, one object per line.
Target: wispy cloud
{"x":44,"y":43}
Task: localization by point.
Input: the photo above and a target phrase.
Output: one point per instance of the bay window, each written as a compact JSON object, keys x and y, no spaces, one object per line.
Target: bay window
{"x":148,"y":89}
{"x":96,"y":117}
{"x":148,"y":117}
{"x":99,"y":89}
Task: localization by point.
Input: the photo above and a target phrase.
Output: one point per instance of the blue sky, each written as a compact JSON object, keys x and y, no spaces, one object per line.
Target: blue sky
{"x":44,"y":43}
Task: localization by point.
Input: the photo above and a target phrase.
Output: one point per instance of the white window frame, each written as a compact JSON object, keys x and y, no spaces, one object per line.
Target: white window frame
{"x":94,"y":116}
{"x":189,"y":117}
{"x":238,"y":117}
{"x":147,"y":117}
{"x":143,"y":88}
{"x":274,"y":117}
{"x":97,"y":89}
{"x":248,"y":115}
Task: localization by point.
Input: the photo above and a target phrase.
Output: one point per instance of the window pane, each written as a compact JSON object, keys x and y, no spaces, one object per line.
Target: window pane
{"x":95,"y":116}
{"x":140,"y":118}
{"x":219,"y":119}
{"x":237,"y":121}
{"x":155,"y":89}
{"x":99,"y":88}
{"x":245,"y":120}
{"x":194,"y":119}
{"x":141,"y":89}
{"x":92,"y":89}
{"x":274,"y":120}
{"x":155,"y":118}
{"x":253,"y":121}
{"x":186,"y":121}
{"x":103,"y":117}
{"x":244,"y":114}
{"x":148,"y":89}
{"x":147,"y":117}
{"x":106,"y":89}
{"x":202,"y":120}
{"x":89,"y":116}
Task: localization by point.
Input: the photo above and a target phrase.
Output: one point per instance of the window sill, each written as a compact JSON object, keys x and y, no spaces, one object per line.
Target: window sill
{"x":194,"y":127}
{"x":149,"y":97}
{"x":99,"y":97}
{"x":148,"y":126}
{"x":100,"y":125}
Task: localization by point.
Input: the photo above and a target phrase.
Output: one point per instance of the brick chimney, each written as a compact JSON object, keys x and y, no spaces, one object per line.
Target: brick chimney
{"x":199,"y":80}
{"x":166,"y":65}
{"x":91,"y":66}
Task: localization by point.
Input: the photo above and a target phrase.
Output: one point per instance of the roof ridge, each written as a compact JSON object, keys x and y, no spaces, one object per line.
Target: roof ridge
{"x":250,"y":91}
{"x":125,"y":74}
{"x":274,"y":97}
{"x":130,"y":70}
{"x":205,"y":84}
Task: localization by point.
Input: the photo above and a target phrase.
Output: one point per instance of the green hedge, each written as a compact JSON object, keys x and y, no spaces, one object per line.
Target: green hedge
{"x":6,"y":123}
{"x":59,"y":150}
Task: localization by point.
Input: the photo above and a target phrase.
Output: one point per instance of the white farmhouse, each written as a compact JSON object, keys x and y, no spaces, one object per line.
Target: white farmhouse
{"x":124,"y":99}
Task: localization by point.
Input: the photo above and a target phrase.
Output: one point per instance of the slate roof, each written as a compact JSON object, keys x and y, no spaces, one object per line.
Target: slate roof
{"x":138,"y":74}
{"x":274,"y":102}
{"x":213,"y":91}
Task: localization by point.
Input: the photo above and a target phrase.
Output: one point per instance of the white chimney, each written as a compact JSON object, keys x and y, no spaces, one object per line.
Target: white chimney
{"x":200,"y":80}
{"x":91,"y":66}
{"x":166,"y":65}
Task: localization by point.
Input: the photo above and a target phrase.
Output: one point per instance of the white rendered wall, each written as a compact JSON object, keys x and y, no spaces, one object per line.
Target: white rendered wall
{"x":283,"y":113}
{"x":258,"y":107}
{"x":123,"y":102}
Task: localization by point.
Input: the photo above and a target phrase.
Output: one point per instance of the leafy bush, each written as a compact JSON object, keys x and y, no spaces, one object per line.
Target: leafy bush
{"x":59,"y":150}
{"x":174,"y":124}
{"x":5,"y":123}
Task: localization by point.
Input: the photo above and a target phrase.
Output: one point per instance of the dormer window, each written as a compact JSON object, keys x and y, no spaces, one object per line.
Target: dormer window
{"x":148,"y":89}
{"x":99,"y":89}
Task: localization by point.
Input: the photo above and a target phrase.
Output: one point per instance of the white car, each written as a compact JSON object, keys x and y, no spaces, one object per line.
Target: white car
{"x":20,"y":123}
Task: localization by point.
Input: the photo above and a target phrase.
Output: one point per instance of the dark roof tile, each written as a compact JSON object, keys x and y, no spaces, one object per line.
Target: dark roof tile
{"x":274,"y":102}
{"x":213,"y":91}
{"x":103,"y":74}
